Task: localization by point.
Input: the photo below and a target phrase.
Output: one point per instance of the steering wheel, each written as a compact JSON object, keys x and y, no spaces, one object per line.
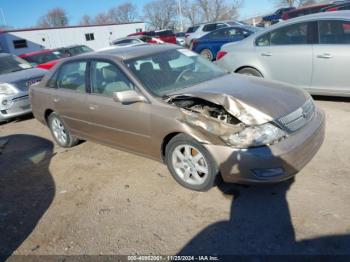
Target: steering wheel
{"x":182,"y":75}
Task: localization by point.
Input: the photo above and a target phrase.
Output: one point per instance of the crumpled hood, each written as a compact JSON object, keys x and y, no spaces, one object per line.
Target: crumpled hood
{"x":250,"y":99}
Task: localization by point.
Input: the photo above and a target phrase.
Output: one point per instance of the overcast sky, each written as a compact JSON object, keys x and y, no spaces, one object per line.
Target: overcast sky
{"x":25,"y":13}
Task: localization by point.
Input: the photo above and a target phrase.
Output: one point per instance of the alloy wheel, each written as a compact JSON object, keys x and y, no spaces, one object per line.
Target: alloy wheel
{"x":190,"y":165}
{"x":59,"y":131}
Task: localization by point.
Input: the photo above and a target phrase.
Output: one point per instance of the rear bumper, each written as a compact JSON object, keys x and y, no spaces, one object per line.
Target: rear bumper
{"x":14,"y":105}
{"x":274,"y":163}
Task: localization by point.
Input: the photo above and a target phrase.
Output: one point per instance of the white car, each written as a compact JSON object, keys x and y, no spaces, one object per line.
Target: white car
{"x":197,"y":31}
{"x":132,"y":41}
{"x":310,"y":52}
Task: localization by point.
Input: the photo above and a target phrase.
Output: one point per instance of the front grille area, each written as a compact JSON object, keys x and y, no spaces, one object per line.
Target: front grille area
{"x":297,"y":119}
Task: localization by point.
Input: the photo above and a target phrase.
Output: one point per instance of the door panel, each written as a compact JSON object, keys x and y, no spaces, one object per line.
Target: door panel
{"x":122,"y":125}
{"x":331,"y":68}
{"x":70,"y":106}
{"x":285,"y":54}
{"x":70,"y":94}
{"x":290,"y":64}
{"x":126,"y":126}
{"x":331,"y":60}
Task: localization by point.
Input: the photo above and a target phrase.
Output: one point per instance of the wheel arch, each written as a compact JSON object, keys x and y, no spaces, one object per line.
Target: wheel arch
{"x":47,"y":113}
{"x":166,"y":141}
{"x":252,"y":67}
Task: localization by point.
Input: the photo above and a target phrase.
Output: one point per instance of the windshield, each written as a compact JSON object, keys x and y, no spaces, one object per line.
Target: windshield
{"x":192,"y":29}
{"x":167,"y":72}
{"x":42,"y":58}
{"x":11,"y":63}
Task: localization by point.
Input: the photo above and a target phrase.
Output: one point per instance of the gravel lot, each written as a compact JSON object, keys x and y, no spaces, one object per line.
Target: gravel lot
{"x":92,"y":199}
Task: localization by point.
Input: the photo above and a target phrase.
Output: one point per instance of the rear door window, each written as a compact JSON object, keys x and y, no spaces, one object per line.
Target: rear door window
{"x":209,"y":27}
{"x":290,"y":35}
{"x":72,"y":76}
{"x":218,"y":34}
{"x":334,"y":32}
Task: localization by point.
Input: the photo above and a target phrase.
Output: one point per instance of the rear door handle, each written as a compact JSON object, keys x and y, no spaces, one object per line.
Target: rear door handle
{"x":325,"y":56}
{"x":266,"y":54}
{"x":56,"y":100}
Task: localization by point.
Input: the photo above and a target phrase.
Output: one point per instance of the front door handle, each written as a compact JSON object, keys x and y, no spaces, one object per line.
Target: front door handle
{"x":325,"y":56}
{"x":93,"y":107}
{"x":56,"y":100}
{"x":266,"y":54}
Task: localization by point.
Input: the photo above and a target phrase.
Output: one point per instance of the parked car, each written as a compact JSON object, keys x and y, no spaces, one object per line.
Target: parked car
{"x":44,"y":59}
{"x":343,"y":5}
{"x":277,"y":15}
{"x":209,"y":44}
{"x":16,"y":75}
{"x":170,"y":104}
{"x":74,"y":50}
{"x":198,"y":31}
{"x":180,"y":38}
{"x":310,"y":52}
{"x":166,"y":35}
{"x":306,"y":10}
{"x":136,"y":40}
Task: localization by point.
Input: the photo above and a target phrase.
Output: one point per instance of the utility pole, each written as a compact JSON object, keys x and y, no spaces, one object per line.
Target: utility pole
{"x":180,"y":16}
{"x":3,"y":17}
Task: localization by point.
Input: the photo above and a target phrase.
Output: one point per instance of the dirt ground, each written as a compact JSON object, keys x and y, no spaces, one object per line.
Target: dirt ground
{"x":92,"y":199}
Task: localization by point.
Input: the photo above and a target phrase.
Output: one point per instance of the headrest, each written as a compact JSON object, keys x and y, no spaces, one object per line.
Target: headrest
{"x":109,"y":73}
{"x":147,"y":66}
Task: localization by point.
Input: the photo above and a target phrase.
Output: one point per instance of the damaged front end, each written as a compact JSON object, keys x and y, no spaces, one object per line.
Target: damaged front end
{"x":227,"y":121}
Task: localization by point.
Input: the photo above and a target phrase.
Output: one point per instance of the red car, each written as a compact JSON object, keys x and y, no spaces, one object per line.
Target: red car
{"x":166,"y":35}
{"x":307,"y":10}
{"x":44,"y":59}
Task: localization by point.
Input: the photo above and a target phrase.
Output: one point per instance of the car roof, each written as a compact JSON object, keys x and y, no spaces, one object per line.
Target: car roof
{"x":323,"y":15}
{"x":129,"y":37}
{"x":69,"y":46}
{"x":44,"y":51}
{"x":308,"y":7}
{"x":131,"y":52}
{"x":318,"y":16}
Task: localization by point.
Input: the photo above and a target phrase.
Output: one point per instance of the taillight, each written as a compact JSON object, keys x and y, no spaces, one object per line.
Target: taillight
{"x":332,"y":9}
{"x":220,"y":55}
{"x":285,"y":16}
{"x":193,"y":44}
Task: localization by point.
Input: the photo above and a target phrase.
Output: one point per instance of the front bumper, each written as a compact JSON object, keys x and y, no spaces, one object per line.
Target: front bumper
{"x":16,"y":105}
{"x":269,"y":164}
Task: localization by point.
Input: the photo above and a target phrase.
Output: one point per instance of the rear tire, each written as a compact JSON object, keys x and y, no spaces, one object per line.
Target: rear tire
{"x":250,"y":72}
{"x":190,"y":164}
{"x":60,"y":132}
{"x":206,"y":53}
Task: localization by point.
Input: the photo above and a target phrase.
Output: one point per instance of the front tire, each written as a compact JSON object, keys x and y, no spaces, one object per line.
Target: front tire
{"x":60,"y":132}
{"x":206,"y":53}
{"x":190,"y":164}
{"x":250,"y":72}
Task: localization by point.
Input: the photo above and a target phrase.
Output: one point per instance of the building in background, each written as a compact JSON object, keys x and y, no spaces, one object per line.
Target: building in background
{"x":20,"y":41}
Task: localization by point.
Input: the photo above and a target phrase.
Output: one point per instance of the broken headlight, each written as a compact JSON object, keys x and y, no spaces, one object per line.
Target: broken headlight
{"x":254,"y":136}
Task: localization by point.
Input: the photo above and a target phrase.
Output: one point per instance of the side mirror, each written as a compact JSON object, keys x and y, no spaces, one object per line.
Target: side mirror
{"x":128,"y":97}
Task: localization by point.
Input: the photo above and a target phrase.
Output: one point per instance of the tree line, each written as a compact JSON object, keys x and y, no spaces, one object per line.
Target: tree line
{"x":161,"y":14}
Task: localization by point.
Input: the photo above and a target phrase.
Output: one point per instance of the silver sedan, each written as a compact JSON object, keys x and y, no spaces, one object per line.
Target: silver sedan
{"x":310,"y":52}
